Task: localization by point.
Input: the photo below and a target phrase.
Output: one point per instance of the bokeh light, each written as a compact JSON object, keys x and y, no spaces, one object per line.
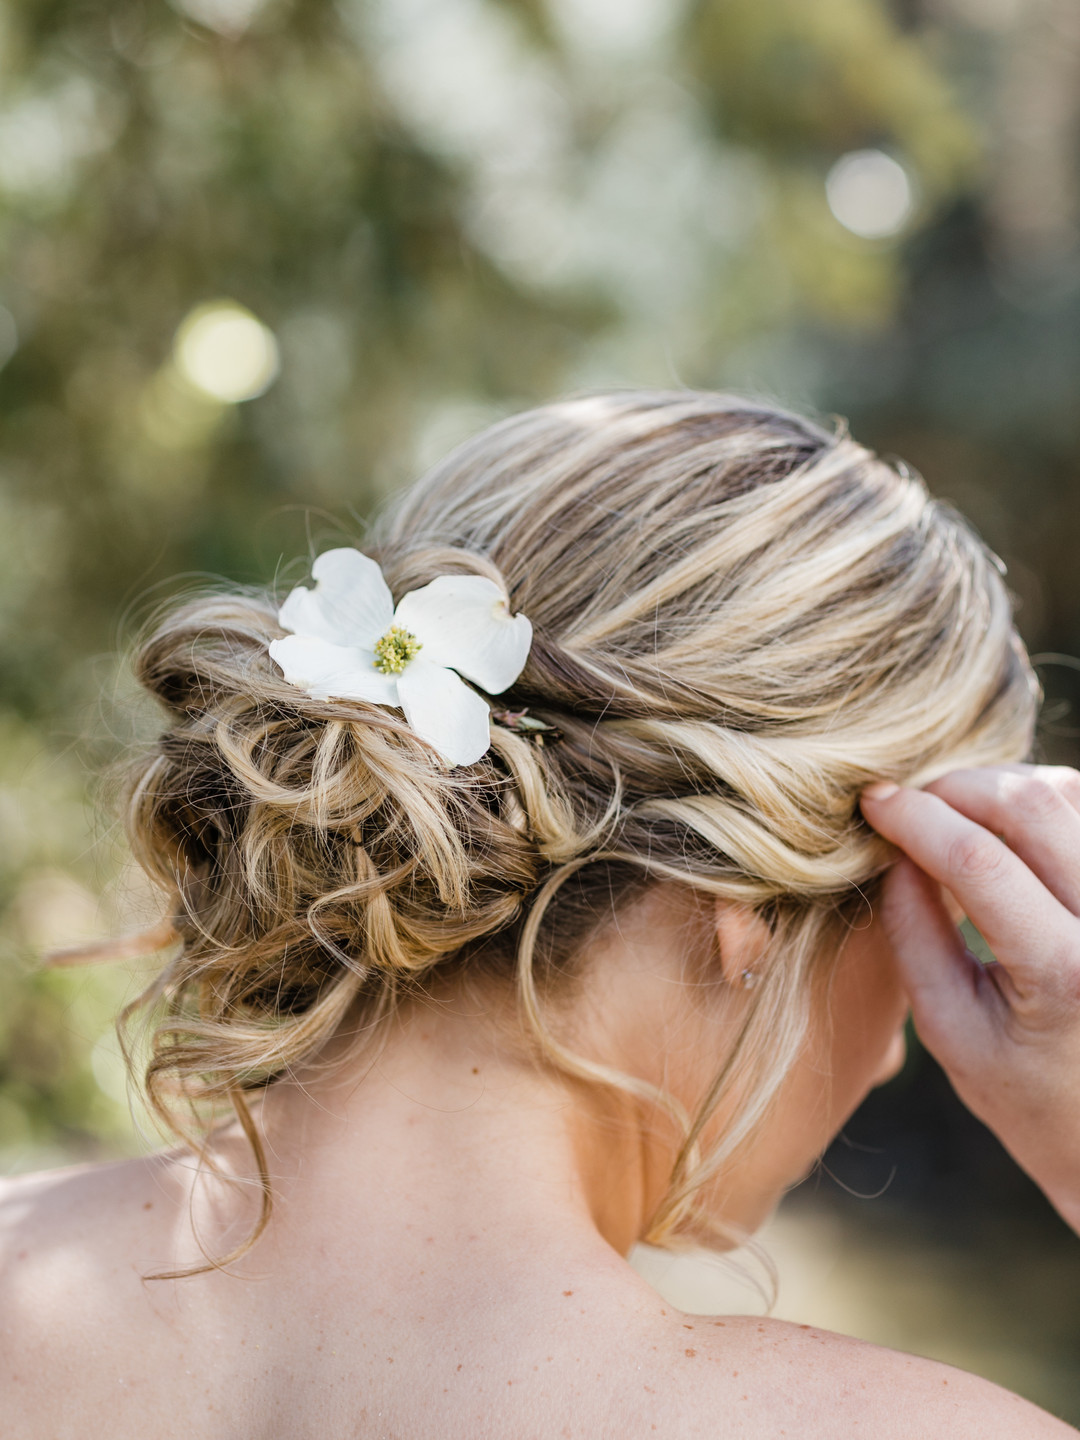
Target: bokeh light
{"x":225,"y":352}
{"x":870,"y":193}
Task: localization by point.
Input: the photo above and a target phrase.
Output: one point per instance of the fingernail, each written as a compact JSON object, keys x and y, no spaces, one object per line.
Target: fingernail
{"x":880,"y":790}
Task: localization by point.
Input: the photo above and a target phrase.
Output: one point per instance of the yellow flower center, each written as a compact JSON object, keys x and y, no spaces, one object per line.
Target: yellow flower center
{"x":396,"y":648}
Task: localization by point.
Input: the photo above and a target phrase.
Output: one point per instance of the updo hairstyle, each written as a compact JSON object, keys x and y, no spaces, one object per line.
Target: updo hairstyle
{"x":740,"y":620}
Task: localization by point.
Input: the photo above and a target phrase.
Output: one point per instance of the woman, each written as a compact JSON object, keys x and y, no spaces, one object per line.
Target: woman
{"x":501,"y":978}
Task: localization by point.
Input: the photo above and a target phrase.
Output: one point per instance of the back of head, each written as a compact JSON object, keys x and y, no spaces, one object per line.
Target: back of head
{"x":740,"y":619}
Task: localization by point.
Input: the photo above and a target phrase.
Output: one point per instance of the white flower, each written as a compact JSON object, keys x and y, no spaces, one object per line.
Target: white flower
{"x":349,"y":643}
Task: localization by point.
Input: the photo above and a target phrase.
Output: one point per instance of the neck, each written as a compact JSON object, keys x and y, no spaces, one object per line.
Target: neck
{"x":452,"y":1123}
{"x":447,"y":1127}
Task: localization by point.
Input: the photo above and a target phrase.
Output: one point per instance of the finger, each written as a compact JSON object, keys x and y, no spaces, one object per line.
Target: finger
{"x":1066,"y":780}
{"x":1029,"y":806}
{"x":1006,"y":901}
{"x":951,"y":996}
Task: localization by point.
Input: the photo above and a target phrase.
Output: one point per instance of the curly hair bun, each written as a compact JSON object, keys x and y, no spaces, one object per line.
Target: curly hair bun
{"x":740,"y":619}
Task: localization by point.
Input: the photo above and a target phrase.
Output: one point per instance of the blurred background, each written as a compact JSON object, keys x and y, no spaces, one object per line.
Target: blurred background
{"x":264,"y":260}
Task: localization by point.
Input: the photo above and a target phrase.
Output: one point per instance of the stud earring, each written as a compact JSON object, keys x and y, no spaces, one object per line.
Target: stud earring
{"x":748,"y":979}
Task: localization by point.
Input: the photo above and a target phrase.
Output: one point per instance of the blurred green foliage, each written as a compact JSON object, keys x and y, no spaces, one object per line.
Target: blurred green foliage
{"x":443,"y":210}
{"x":822,"y":79}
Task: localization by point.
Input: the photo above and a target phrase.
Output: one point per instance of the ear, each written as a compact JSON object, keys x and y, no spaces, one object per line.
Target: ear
{"x":742,"y":936}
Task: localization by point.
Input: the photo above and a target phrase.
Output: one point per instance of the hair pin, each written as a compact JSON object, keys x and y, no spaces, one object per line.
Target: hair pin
{"x":522,"y":723}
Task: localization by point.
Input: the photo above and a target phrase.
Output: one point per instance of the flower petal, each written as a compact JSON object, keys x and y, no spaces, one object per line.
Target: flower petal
{"x":463,"y":621}
{"x":333,"y":672}
{"x":444,"y":711}
{"x":350,"y":605}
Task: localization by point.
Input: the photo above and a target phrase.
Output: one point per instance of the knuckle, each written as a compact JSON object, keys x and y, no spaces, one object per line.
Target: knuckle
{"x":974,"y":857}
{"x":1067,"y":783}
{"x":1034,"y":797}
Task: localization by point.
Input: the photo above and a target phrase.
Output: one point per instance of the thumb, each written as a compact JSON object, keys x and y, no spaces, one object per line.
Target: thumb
{"x":941,"y":976}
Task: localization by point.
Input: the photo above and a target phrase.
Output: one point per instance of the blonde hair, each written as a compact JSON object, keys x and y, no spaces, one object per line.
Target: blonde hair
{"x":740,"y":620}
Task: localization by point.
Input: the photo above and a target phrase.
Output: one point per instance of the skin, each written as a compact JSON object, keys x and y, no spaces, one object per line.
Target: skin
{"x":446,"y":1254}
{"x":1005,"y":842}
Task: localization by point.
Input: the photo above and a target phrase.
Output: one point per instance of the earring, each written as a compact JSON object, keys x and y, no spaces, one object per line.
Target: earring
{"x":748,"y":979}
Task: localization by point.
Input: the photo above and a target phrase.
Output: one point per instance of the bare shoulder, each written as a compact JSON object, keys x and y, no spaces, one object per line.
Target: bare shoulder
{"x":81,"y":1218}
{"x":82,"y":1330}
{"x":784,"y":1379}
{"x":109,"y":1222}
{"x":73,"y":1247}
{"x":623,"y":1362}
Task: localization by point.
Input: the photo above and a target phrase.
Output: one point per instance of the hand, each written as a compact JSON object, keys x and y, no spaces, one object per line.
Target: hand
{"x":1005,"y":843}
